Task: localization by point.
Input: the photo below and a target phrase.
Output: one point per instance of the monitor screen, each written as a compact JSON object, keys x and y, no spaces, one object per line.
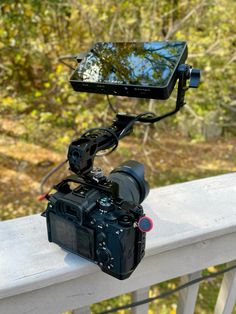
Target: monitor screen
{"x":136,"y":63}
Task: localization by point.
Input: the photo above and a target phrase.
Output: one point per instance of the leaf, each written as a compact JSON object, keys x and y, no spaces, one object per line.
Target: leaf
{"x":212,"y":269}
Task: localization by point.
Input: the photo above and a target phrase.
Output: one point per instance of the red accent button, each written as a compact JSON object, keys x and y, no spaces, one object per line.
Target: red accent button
{"x":145,"y":224}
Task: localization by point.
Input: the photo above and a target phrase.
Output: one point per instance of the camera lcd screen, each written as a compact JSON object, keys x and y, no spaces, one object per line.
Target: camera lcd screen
{"x":141,"y":68}
{"x":74,"y":238}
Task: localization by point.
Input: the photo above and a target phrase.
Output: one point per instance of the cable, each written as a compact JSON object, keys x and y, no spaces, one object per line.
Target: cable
{"x":113,"y":147}
{"x":68,"y":57}
{"x":128,"y":127}
{"x":108,"y":131}
{"x":49,"y":174}
{"x":90,"y":131}
{"x":110,"y":105}
{"x":168,"y":292}
{"x":130,"y":124}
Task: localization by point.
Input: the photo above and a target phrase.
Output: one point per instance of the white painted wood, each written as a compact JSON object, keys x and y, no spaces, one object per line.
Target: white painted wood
{"x":227,"y":295}
{"x":84,"y":310}
{"x":188,"y":296}
{"x":139,"y":295}
{"x":193,"y":222}
{"x":96,"y":286}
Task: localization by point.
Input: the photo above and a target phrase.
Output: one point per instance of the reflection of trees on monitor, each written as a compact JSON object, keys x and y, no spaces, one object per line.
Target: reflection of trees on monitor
{"x":132,"y":63}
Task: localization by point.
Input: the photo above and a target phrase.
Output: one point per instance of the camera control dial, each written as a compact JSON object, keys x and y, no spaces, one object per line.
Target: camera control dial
{"x":103,"y":255}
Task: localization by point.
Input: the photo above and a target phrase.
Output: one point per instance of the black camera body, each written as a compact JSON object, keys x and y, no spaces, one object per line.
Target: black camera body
{"x":106,"y":226}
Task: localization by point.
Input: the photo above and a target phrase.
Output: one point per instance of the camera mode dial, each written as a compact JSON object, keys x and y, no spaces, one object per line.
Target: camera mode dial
{"x":106,"y":204}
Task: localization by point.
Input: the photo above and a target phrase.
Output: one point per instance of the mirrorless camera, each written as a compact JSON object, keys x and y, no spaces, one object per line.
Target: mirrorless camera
{"x":103,"y":223}
{"x":100,"y":217}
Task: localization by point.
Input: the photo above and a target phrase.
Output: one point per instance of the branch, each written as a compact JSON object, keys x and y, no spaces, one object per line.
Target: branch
{"x":177,"y":26}
{"x":114,"y":20}
{"x":208,"y":51}
{"x":229,"y":62}
{"x":173,"y":10}
{"x":150,"y":108}
{"x":4,"y":67}
{"x":192,"y":112}
{"x":230,"y":107}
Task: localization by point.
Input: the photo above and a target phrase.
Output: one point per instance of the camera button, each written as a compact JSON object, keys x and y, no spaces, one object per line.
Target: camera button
{"x":101,"y":237}
{"x":145,"y":224}
{"x":110,"y":218}
{"x":125,"y":221}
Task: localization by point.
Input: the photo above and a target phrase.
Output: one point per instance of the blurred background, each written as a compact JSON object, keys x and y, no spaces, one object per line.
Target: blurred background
{"x":40,"y":113}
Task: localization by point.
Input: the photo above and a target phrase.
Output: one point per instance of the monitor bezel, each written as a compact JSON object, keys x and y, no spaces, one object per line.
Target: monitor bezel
{"x":130,"y":90}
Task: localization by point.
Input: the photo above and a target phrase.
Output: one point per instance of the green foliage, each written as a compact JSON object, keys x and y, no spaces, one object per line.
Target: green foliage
{"x":34,"y":33}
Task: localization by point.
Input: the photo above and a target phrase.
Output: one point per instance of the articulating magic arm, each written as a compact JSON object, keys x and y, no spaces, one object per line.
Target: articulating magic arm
{"x":82,"y":151}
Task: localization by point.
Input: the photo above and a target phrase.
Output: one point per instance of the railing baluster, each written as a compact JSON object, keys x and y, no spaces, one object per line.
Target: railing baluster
{"x":188,"y":296}
{"x":82,"y":310}
{"x":139,"y":295}
{"x":227,"y":295}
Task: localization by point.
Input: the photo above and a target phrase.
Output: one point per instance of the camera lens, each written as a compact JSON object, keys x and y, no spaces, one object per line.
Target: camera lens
{"x":129,"y":177}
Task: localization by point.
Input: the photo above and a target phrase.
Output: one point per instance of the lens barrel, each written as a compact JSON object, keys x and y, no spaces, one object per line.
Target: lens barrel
{"x":129,"y":177}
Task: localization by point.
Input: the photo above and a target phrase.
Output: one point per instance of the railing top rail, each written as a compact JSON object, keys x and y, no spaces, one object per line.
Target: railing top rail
{"x":188,"y":212}
{"x":183,"y":214}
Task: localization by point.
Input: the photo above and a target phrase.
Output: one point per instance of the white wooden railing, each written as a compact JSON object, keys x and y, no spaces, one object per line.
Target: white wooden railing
{"x":195,"y":227}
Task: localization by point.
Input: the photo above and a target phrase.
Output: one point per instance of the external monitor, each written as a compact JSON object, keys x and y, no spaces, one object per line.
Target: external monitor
{"x":133,"y":69}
